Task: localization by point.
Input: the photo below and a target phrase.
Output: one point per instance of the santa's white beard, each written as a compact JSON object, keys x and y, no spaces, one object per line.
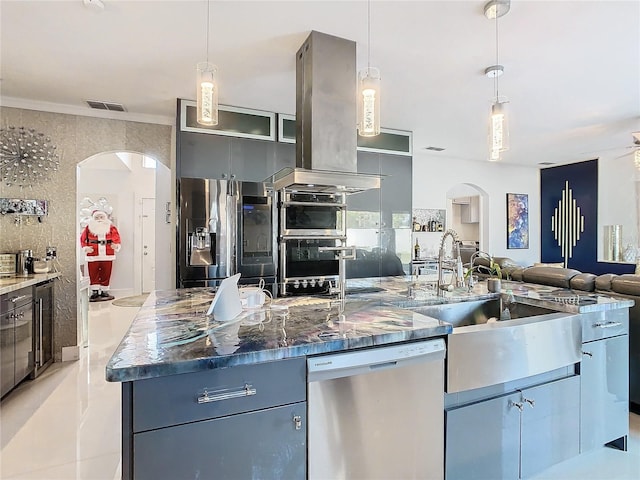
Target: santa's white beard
{"x":99,"y":227}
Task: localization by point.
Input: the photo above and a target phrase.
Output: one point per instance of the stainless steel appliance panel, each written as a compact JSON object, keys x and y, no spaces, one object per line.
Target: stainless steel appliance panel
{"x":256,"y":214}
{"x":377,"y":413}
{"x":225,"y":227}
{"x":312,"y":214}
{"x":476,"y":354}
{"x":205,"y":223}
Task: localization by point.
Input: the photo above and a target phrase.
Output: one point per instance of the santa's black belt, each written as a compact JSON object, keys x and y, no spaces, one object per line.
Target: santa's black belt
{"x":101,"y":242}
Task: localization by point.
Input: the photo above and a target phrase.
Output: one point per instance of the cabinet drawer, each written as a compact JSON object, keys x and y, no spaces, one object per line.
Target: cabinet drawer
{"x":176,"y":399}
{"x":267,"y":444}
{"x":605,"y":324}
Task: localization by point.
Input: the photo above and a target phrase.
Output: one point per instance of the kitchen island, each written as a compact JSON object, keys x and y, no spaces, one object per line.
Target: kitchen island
{"x":176,"y":364}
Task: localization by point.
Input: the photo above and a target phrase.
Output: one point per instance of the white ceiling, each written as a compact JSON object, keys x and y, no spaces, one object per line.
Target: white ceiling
{"x":572,"y":68}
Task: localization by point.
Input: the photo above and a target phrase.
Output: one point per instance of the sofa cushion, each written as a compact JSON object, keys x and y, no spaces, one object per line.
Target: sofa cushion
{"x":557,"y":265}
{"x":584,"y":281}
{"x":603,"y":282}
{"x":628,"y":284}
{"x":553,"y":276}
{"x":512,"y":273}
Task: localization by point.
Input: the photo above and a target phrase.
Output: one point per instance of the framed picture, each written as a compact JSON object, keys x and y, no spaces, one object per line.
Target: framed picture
{"x":517,"y":220}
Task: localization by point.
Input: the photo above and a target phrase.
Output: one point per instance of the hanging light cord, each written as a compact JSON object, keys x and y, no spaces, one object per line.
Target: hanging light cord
{"x":497,"y":61}
{"x":208,"y":3}
{"x":368,"y":36}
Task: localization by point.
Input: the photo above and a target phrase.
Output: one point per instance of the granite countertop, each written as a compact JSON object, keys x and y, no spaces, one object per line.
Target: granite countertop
{"x":561,"y":299}
{"x":11,"y":284}
{"x":171,"y":334}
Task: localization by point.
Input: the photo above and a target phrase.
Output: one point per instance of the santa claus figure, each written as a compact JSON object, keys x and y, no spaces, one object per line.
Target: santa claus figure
{"x":100,"y":241}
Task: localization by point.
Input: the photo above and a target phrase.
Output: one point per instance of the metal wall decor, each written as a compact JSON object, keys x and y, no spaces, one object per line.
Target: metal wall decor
{"x":26,"y":156}
{"x":567,"y":223}
{"x":19,"y":206}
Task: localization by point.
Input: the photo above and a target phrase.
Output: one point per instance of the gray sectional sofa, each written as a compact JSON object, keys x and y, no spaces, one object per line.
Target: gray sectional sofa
{"x":625,"y":286}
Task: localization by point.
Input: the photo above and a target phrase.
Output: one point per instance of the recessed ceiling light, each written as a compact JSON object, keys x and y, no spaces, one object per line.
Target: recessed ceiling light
{"x":434,"y":149}
{"x":546,"y":163}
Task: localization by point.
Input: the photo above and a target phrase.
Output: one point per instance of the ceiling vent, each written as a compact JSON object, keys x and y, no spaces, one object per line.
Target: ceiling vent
{"x":114,"y":107}
{"x":434,"y":149}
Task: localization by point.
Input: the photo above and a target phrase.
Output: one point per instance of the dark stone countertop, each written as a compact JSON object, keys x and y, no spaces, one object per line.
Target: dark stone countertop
{"x":171,"y":333}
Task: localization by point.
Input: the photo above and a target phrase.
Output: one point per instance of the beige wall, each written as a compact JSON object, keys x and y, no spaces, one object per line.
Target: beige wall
{"x":76,"y":137}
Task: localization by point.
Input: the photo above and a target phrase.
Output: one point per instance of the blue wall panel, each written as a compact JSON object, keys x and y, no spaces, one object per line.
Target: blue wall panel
{"x":569,"y":217}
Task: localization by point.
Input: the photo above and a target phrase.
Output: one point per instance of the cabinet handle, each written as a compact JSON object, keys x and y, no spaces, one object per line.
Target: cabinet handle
{"x":529,"y":401}
{"x":18,"y":298}
{"x":40,"y":355}
{"x":208,"y":397}
{"x":297,"y":421}
{"x":518,"y":405}
{"x":588,"y":354}
{"x":607,"y":324}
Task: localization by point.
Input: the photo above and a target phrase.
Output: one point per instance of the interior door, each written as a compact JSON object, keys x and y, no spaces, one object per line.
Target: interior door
{"x":148,"y":244}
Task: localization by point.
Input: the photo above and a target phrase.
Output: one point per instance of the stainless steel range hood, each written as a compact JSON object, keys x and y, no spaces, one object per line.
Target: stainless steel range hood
{"x":326,"y":137}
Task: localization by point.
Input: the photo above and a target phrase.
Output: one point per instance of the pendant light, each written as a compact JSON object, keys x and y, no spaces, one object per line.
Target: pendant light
{"x":499,"y":125}
{"x":369,"y":91}
{"x":207,"y":88}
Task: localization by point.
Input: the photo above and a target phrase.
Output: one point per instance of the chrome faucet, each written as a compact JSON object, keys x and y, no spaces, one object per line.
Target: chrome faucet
{"x":454,"y":265}
{"x":343,"y":253}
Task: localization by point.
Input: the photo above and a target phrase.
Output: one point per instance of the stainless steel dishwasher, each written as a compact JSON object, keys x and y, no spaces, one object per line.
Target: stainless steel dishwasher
{"x":377,"y":413}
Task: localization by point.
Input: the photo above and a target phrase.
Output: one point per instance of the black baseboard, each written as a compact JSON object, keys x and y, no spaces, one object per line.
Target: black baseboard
{"x":634,"y":408}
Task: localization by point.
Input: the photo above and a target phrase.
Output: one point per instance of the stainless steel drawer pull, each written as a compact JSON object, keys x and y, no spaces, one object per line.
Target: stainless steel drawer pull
{"x":529,"y":401}
{"x":297,"y":421}
{"x":208,"y":397}
{"x":607,"y":324}
{"x":588,"y":354}
{"x":518,"y":405}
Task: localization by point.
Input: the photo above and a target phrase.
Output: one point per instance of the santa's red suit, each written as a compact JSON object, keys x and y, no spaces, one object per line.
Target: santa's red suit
{"x":100,"y":241}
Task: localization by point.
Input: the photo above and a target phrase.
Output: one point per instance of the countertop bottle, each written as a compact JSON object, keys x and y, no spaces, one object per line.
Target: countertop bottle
{"x":416,"y":251}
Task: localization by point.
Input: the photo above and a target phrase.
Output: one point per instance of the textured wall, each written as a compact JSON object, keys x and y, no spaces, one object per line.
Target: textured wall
{"x":77,"y":138}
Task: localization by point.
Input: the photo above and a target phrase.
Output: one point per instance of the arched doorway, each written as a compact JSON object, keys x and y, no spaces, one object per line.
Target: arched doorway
{"x":139,"y":189}
{"x":468,"y":212}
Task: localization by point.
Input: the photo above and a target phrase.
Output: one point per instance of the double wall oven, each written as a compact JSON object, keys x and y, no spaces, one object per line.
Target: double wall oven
{"x":311,"y":226}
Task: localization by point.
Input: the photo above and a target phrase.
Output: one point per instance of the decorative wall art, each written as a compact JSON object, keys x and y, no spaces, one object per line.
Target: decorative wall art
{"x":517,"y":220}
{"x":20,"y":206}
{"x":429,"y":219}
{"x":26,"y":156}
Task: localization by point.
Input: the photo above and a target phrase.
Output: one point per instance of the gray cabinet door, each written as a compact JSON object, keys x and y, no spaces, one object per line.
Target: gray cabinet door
{"x":550,"y":425}
{"x":252,"y":160}
{"x":7,"y":352}
{"x":483,"y":440}
{"x":604,"y":392}
{"x":204,"y":156}
{"x":261,"y":444}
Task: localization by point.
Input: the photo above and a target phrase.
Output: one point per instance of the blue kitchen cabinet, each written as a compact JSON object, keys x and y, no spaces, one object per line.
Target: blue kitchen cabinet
{"x":246,"y":421}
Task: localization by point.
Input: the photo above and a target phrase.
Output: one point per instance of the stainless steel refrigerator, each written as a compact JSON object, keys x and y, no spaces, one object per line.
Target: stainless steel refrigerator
{"x":225,"y":227}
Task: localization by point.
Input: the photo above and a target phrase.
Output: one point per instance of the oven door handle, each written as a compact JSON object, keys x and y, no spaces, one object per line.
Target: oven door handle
{"x":348,"y":253}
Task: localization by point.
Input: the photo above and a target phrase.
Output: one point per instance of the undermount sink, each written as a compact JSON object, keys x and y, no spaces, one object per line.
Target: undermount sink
{"x":481,"y":352}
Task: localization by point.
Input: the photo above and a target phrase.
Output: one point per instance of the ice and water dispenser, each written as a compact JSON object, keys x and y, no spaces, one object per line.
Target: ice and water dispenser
{"x":202,"y":247}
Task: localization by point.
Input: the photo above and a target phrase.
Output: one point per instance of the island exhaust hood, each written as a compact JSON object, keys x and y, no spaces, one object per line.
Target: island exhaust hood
{"x":326,"y":113}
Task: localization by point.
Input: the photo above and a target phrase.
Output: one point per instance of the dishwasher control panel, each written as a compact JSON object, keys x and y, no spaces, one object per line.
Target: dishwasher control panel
{"x":362,"y":361}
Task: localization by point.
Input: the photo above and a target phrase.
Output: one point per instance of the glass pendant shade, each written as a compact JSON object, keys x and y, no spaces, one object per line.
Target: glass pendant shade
{"x":369,"y":102}
{"x":498,"y":130}
{"x":207,"y":88}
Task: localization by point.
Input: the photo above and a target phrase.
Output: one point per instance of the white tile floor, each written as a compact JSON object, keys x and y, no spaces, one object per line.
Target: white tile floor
{"x":66,"y":424}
